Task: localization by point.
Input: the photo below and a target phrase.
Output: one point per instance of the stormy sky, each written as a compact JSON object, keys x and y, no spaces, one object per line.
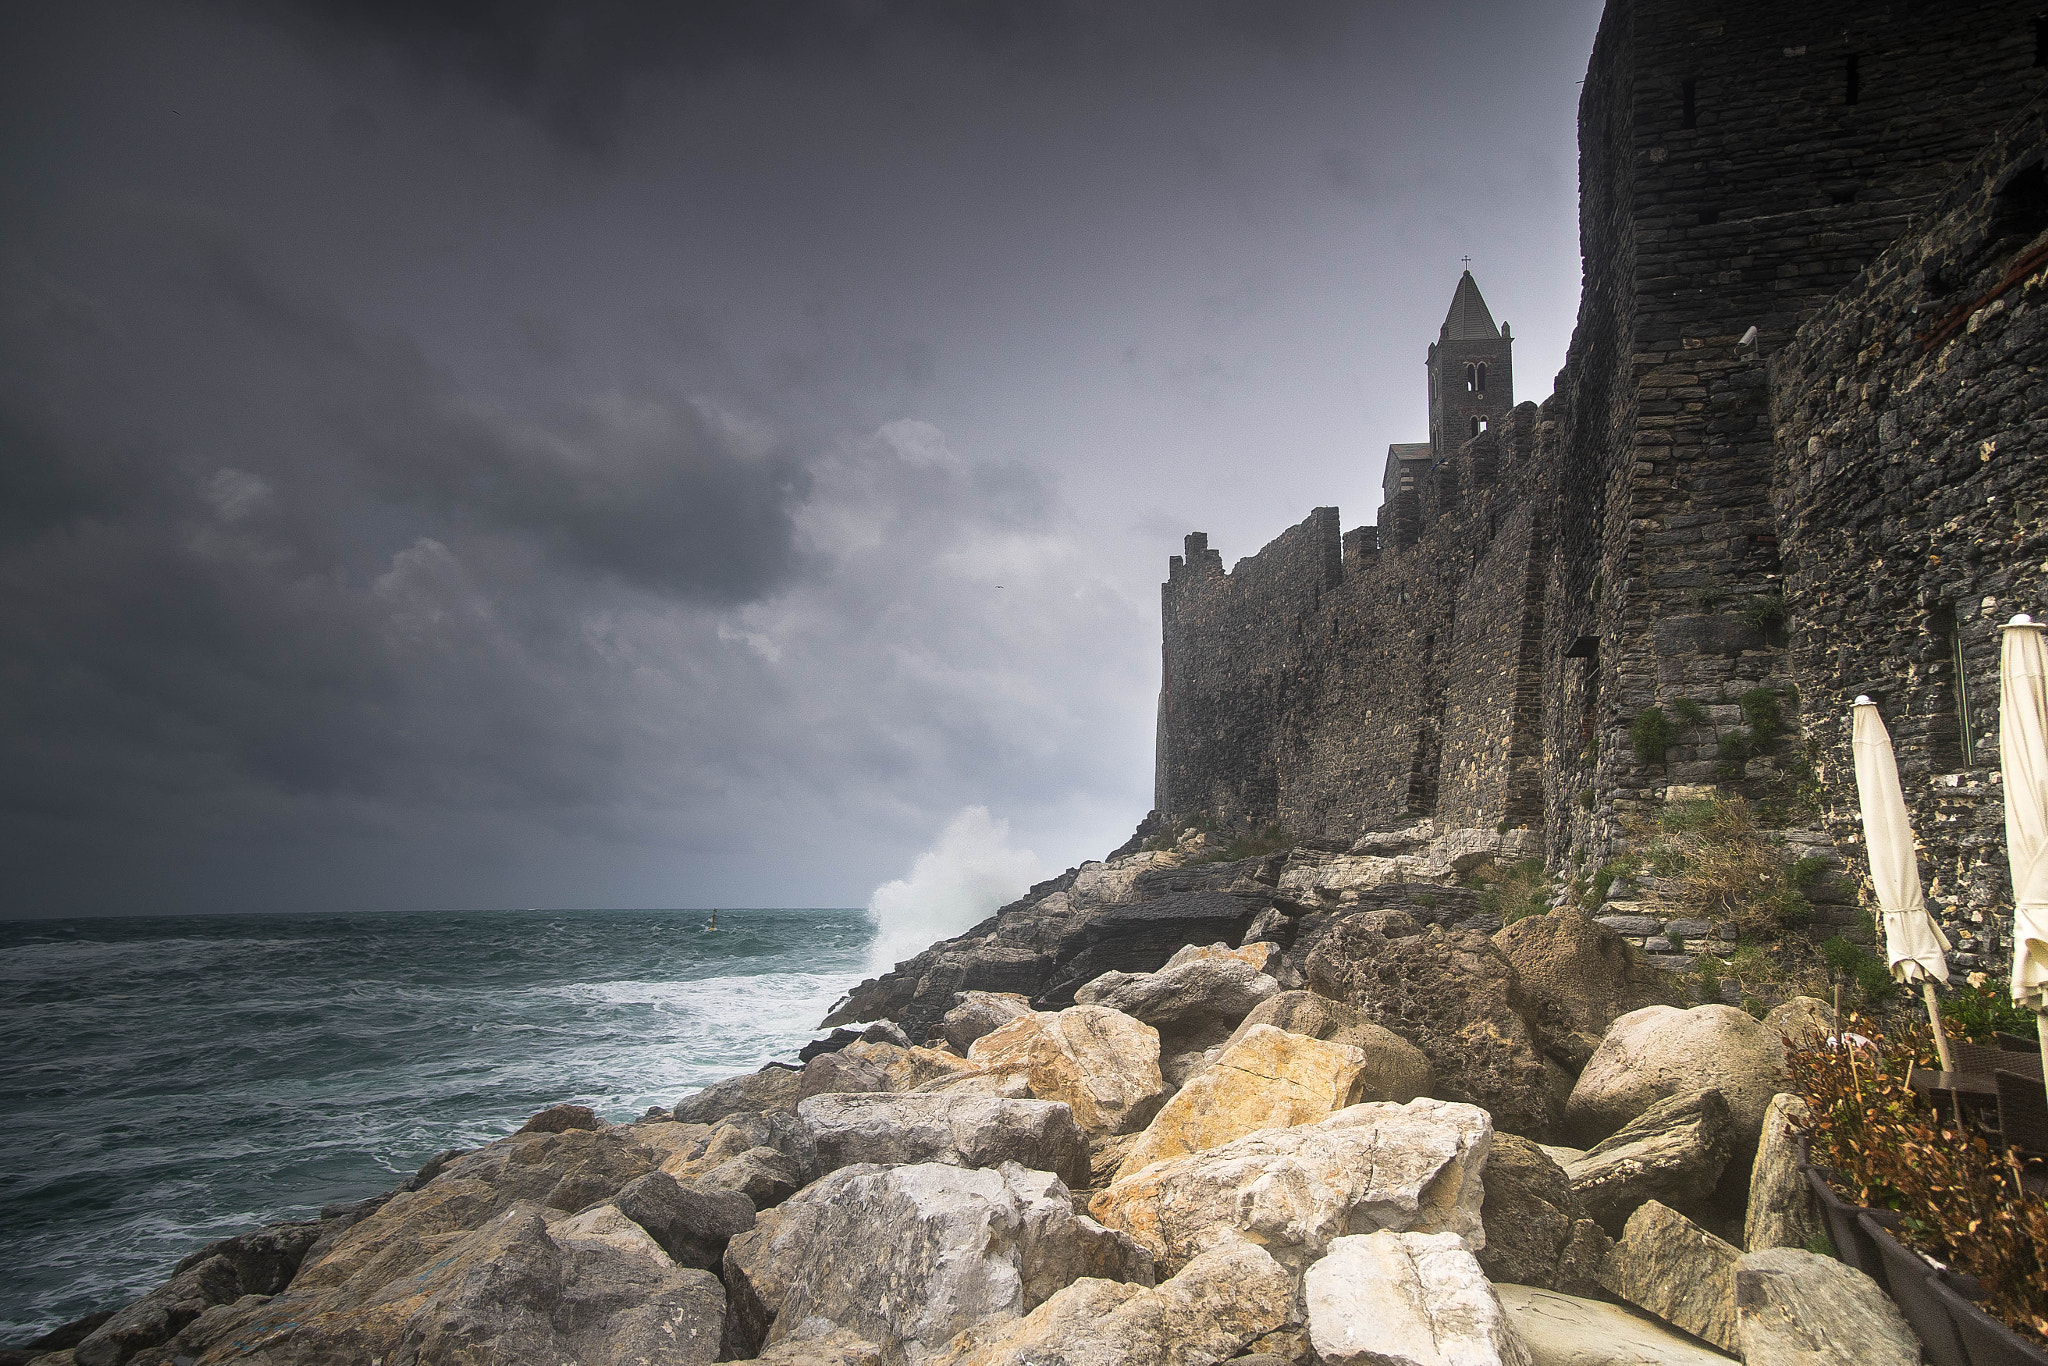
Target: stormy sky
{"x":597,"y":454}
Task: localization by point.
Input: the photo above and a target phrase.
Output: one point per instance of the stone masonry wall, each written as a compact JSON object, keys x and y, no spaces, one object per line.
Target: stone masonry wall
{"x":1911,"y":488}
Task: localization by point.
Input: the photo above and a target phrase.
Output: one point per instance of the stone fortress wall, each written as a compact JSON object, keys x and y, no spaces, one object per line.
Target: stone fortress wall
{"x":1848,"y":501}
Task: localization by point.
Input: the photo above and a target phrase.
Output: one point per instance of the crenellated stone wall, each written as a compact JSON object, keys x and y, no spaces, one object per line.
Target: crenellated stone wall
{"x":1751,"y":481}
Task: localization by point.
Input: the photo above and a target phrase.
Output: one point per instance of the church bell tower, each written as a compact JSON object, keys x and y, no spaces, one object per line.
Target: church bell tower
{"x":1471,"y":373}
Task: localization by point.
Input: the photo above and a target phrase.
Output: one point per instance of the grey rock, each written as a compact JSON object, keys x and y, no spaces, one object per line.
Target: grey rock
{"x":1537,"y":1232}
{"x":1567,"y":1330}
{"x":1193,"y":1006}
{"x":907,"y":1256}
{"x":764,"y":1176}
{"x":1674,"y":1152}
{"x":1796,"y":1308}
{"x":1452,"y":994}
{"x":158,"y":1316}
{"x":771,"y":1088}
{"x":1378,"y":1298}
{"x":1636,"y":925}
{"x":962,"y":1130}
{"x":1580,"y":976}
{"x":1650,"y":1054}
{"x":692,"y":1226}
{"x":1781,"y":1211}
{"x":832,"y":1347}
{"x":1678,"y":1271}
{"x":975,"y":1013}
{"x":557,"y":1118}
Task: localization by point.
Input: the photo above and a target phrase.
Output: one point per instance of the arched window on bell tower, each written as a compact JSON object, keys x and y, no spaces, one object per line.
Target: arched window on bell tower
{"x":1481,"y":388}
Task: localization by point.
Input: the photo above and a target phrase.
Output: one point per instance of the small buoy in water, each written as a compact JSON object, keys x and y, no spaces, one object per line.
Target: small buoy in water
{"x":714,"y":921}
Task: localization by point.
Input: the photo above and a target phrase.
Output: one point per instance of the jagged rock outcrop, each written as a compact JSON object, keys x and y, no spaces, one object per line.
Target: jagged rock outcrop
{"x":1567,"y":1330}
{"x":1454,"y":996}
{"x":975,"y":1013}
{"x":1412,"y":1167}
{"x":1780,"y":1212}
{"x":774,"y":1087}
{"x":1796,"y":1308}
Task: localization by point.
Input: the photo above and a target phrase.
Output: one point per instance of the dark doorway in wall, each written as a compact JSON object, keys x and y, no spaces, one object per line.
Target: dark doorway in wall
{"x":1852,"y":79}
{"x":2020,"y":207}
{"x":1688,"y":95}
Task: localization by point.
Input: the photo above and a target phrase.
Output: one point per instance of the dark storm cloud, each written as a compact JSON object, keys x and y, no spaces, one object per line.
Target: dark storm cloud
{"x":515,"y":453}
{"x":573,"y":63}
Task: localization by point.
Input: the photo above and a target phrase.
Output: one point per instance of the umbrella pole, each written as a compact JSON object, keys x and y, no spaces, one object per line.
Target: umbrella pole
{"x":1940,"y":1036}
{"x":2041,"y":1032}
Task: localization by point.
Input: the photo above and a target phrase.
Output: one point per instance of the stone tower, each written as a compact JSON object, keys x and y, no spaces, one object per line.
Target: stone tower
{"x":1471,"y":374}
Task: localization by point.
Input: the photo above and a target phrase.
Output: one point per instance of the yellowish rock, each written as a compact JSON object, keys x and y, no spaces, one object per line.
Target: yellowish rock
{"x":1258,"y":955}
{"x":1267,"y":1079}
{"x":1102,"y":1063}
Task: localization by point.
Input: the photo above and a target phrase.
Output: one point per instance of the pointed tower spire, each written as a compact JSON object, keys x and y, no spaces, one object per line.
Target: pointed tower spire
{"x":1468,"y":319}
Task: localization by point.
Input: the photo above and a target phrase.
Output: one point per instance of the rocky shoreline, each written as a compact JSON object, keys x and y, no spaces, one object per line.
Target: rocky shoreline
{"x":1314,"y":1106}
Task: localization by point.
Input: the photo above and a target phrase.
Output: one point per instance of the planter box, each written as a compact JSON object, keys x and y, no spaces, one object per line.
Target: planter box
{"x":1852,"y":1244}
{"x":1911,"y":1280}
{"x":1988,"y":1342}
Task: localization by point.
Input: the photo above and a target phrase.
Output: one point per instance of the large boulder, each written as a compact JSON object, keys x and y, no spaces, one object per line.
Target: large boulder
{"x":1580,"y":976}
{"x":1395,"y":1069}
{"x":1803,"y":1021}
{"x":1796,"y":1308}
{"x":692,"y":1226}
{"x":1454,"y":996}
{"x":1674,"y":1152}
{"x":1101,"y":1063}
{"x":1267,"y":1079}
{"x":1413,"y":1167}
{"x":1193,"y":1005}
{"x":1678,"y":1271}
{"x":1780,"y":1212}
{"x":1537,"y":1232}
{"x":975,"y":1013}
{"x":1406,"y":1299}
{"x":1260,"y":954}
{"x":1651,"y":1054}
{"x":1567,"y":1330}
{"x":907,"y":1256}
{"x":593,"y":1288}
{"x":1228,"y":1297}
{"x":774,"y":1087}
{"x":960,"y":1130}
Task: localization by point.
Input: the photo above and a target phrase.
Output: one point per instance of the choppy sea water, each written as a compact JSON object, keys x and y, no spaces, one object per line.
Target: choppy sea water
{"x":170,"y":1080}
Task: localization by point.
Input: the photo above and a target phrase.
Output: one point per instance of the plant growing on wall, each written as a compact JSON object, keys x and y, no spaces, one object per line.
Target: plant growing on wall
{"x":1725,"y":866}
{"x":1650,"y":734}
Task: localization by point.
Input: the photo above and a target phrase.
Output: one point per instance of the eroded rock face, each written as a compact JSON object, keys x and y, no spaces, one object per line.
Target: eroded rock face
{"x":1454,"y":996}
{"x":1395,"y":1069}
{"x":1580,"y":976}
{"x":1673,"y":1152}
{"x":1419,"y":1298}
{"x":1805,"y":1021}
{"x":1796,"y":1308}
{"x":975,"y":1013}
{"x":1566,"y":1330}
{"x":771,"y":1088}
{"x":870,"y":1067}
{"x":1678,"y":1271}
{"x":1102,"y":1064}
{"x":1260,"y":954}
{"x":1651,"y":1054}
{"x":1412,"y":1167}
{"x":907,"y":1256}
{"x":958,"y":1129}
{"x":1267,"y":1079}
{"x":1780,"y":1211}
{"x":1227,"y":1297}
{"x":1537,"y":1232}
{"x":691,"y":1226}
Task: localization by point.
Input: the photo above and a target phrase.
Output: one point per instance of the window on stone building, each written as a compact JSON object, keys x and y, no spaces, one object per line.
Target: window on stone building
{"x":1471,"y":379}
{"x":1688,"y":95}
{"x":1482,"y":378}
{"x":1953,"y":744}
{"x":2041,"y":40}
{"x":2020,"y":206}
{"x":1475,"y":426}
{"x":1852,"y":79}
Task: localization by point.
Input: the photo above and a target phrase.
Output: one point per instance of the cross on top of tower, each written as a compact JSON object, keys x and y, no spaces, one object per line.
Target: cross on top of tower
{"x":1466,"y":259}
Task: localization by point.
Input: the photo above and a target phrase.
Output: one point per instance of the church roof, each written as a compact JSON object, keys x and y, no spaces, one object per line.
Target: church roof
{"x":1409,"y":450}
{"x":1468,"y":319}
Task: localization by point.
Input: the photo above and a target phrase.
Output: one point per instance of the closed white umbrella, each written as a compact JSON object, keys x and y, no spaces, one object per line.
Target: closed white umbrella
{"x":2023,"y":754}
{"x":1914,"y":946}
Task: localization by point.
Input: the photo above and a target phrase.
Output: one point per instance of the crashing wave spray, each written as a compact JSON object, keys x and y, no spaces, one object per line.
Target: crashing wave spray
{"x":970,"y":872}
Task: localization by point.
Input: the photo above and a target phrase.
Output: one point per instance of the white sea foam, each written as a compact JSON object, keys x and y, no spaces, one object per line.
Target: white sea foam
{"x":972,"y":870}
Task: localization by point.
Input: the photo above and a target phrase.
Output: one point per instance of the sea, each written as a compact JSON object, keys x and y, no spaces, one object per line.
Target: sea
{"x":172,"y":1080}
